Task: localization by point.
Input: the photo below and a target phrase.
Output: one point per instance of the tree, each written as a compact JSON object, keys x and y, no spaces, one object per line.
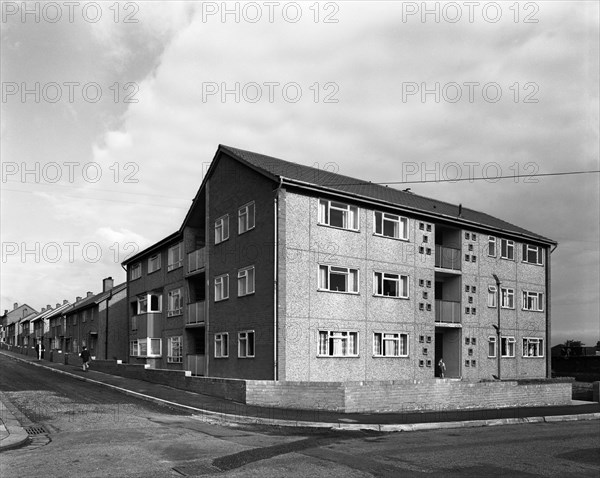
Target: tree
{"x":574,"y":343}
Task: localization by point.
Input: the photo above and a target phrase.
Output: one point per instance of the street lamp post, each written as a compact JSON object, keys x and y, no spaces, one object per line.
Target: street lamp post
{"x":497,"y":326}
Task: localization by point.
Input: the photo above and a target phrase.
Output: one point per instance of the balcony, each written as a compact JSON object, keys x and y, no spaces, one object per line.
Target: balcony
{"x":196,"y":261}
{"x":447,"y":257}
{"x":447,"y":311}
{"x":195,"y":315}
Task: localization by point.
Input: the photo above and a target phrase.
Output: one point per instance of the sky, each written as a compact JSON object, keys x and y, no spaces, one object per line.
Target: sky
{"x":111,"y":113}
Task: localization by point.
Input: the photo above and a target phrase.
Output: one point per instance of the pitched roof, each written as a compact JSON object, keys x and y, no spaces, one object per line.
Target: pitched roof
{"x":308,"y":177}
{"x":94,"y":299}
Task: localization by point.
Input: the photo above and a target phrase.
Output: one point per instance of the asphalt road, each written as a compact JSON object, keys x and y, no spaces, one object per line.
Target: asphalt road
{"x":98,"y":432}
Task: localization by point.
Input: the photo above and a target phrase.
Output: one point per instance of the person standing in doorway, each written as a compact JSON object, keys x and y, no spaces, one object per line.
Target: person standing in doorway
{"x":85,"y":358}
{"x":441,"y":366}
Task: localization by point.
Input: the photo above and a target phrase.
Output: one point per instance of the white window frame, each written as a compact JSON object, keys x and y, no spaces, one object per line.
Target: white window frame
{"x":222,"y":345}
{"x":246,"y":344}
{"x":147,"y":344}
{"x":175,"y":349}
{"x":536,"y":298}
{"x":144,"y":303}
{"x":537,"y":250}
{"x":221,"y":287}
{"x":399,"y":223}
{"x":401,"y":281}
{"x":507,"y":347}
{"x":507,"y":298}
{"x":492,"y":346}
{"x":507,"y":249}
{"x":246,"y":218}
{"x":222,"y":229}
{"x":332,"y":343}
{"x":135,"y":271}
{"x":175,"y":257}
{"x":154,"y":263}
{"x":492,"y":297}
{"x":246,"y":281}
{"x":534,"y":345}
{"x":399,"y":343}
{"x":350,"y":214}
{"x":351,"y":278}
{"x":492,"y":244}
{"x":175,"y":302}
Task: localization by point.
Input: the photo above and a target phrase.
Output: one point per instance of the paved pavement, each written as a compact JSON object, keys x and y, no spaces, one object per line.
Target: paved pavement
{"x":204,"y":407}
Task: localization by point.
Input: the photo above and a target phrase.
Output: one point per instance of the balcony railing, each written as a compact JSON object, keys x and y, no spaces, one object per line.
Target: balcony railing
{"x":196,"y":313}
{"x":447,"y":257}
{"x":196,"y":260}
{"x":447,"y":311}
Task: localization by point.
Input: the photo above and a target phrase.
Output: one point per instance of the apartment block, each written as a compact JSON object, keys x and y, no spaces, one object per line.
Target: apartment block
{"x":281,"y":271}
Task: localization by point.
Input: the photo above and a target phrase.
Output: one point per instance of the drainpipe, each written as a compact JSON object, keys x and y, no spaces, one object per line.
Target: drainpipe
{"x":548,"y":314}
{"x":127,"y":312}
{"x":106,"y":327}
{"x":497,"y":327}
{"x":275,"y":280}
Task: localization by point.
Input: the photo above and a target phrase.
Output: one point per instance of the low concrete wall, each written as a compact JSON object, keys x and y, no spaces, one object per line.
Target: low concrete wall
{"x":399,"y":396}
{"x":230,"y":389}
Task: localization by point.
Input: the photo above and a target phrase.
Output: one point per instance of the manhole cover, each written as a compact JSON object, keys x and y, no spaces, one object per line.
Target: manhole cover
{"x":35,"y":430}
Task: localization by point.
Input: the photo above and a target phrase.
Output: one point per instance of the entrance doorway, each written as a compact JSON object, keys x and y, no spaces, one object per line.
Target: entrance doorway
{"x":448,"y":348}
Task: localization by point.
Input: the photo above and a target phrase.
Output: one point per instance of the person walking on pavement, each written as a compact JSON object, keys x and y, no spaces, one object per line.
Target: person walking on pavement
{"x":85,"y":358}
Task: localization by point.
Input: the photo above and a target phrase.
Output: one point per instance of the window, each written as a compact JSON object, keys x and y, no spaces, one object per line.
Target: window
{"x":390,"y":345}
{"x":492,"y":291}
{"x":470,"y":247}
{"x":154,"y":263}
{"x":533,"y":347}
{"x":221,"y":345}
{"x":473,"y":237}
{"x":135,"y":271}
{"x":338,"y":344}
{"x":507,"y":249}
{"x":147,"y":347}
{"x":222,"y":229}
{"x":175,"y":257}
{"x":175,"y":303}
{"x":467,"y":288}
{"x":533,"y":301}
{"x":467,"y":236}
{"x":491,"y":246}
{"x":133,"y":348}
{"x":390,"y":285}
{"x":338,"y":279}
{"x":336,"y":214}
{"x":533,"y":254}
{"x":246,"y":218}
{"x":507,"y":298}
{"x":134,"y":325}
{"x":246,"y":281}
{"x":491,"y":347}
{"x":508,"y":347}
{"x":175,"y":353}
{"x":390,"y":225}
{"x":246,"y":344}
{"x":222,"y":287}
{"x":149,"y":303}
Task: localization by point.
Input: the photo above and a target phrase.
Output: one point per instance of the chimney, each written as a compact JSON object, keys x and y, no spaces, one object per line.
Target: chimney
{"x":16,"y":305}
{"x":89,"y":294}
{"x":107,"y":284}
{"x":57,"y":306}
{"x":77,"y":299}
{"x":65,"y":301}
{"x":48,"y":307}
{"x":43,"y":309}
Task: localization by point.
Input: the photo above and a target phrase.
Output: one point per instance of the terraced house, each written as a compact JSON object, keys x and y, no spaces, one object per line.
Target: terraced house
{"x":286,"y":272}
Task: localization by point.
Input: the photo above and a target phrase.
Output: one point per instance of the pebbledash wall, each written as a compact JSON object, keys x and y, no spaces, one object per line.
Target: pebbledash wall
{"x":352,"y":397}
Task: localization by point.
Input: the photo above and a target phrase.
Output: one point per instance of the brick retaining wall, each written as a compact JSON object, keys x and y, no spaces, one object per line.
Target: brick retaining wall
{"x":398,"y":396}
{"x":230,"y":389}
